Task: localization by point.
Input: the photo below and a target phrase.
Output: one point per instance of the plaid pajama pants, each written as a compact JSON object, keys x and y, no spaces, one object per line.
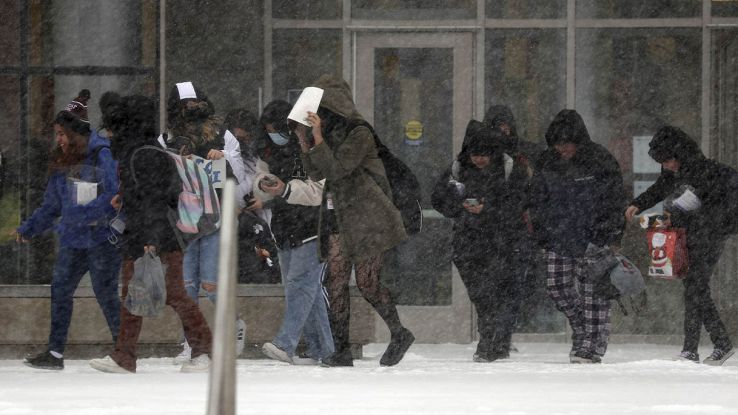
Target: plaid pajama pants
{"x":572,"y":291}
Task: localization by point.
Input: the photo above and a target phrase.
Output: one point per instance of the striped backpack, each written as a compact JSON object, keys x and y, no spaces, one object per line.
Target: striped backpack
{"x":198,"y":208}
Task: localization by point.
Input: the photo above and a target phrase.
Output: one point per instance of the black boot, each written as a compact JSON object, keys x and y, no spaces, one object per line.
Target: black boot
{"x":397,"y":348}
{"x":339,"y":358}
{"x":44,"y":360}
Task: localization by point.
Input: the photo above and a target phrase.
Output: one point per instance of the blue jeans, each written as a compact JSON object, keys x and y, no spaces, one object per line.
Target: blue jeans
{"x":306,"y":312}
{"x":201,"y":265}
{"x":103,"y":262}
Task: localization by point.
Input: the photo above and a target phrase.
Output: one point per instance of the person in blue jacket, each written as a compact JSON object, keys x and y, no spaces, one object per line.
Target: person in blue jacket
{"x":82,"y":181}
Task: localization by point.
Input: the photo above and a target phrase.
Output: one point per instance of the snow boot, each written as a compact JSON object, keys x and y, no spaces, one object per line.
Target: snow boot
{"x":397,"y":348}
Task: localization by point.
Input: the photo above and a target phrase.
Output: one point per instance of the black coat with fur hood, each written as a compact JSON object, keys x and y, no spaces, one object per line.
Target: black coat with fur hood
{"x":579,"y":201}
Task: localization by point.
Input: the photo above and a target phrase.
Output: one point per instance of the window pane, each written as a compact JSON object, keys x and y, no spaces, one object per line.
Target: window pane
{"x":526,"y":71}
{"x":113,"y":38}
{"x":526,"y":9}
{"x":725,"y":8}
{"x":11,"y":177}
{"x":68,"y":86}
{"x":226,"y":59}
{"x":307,"y":9}
{"x":630,"y":82}
{"x":414,"y":9}
{"x":624,"y":9}
{"x":10,"y":33}
{"x":301,"y":56}
{"x":413,"y":95}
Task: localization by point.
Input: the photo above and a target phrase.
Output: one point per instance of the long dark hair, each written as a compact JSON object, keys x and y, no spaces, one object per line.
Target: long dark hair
{"x":76,"y":150}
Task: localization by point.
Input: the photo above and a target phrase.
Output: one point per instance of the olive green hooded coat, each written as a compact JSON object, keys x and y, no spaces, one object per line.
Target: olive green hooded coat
{"x":367,"y":220}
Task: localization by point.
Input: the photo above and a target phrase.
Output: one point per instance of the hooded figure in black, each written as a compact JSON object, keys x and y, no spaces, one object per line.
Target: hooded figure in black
{"x":501,"y":118}
{"x":149,"y":192}
{"x":484,"y":191}
{"x":577,"y":199}
{"x":707,"y":227}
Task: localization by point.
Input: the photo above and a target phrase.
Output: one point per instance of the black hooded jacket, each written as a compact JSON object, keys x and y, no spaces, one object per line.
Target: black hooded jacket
{"x":514,"y":145}
{"x":715,"y":184}
{"x":578,"y":201}
{"x":500,"y":227}
{"x":149,"y":182}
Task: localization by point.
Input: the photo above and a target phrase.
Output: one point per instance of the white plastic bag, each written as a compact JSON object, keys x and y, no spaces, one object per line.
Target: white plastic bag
{"x":147,"y":292}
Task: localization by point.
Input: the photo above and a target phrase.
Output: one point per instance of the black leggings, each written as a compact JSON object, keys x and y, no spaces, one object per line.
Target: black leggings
{"x":367,"y":279}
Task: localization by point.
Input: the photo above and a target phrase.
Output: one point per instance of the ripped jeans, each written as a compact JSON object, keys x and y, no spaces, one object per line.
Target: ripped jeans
{"x":201,"y":266}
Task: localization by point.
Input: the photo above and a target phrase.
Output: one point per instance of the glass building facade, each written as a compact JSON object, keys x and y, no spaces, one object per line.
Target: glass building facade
{"x":627,"y":66}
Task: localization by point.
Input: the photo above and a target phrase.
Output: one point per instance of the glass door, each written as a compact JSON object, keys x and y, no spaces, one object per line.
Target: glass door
{"x":724,"y":148}
{"x":416,"y":89}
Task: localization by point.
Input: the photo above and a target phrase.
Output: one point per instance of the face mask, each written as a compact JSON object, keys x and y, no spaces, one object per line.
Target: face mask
{"x":279,"y":139}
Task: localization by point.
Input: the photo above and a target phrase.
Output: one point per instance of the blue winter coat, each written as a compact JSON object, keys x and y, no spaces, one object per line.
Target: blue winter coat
{"x":79,"y":226}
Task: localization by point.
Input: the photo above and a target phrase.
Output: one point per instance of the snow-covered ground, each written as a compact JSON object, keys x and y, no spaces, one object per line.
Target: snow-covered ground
{"x":433,"y":379}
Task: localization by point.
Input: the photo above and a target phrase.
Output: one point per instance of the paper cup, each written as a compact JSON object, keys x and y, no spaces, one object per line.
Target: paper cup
{"x":309,"y":100}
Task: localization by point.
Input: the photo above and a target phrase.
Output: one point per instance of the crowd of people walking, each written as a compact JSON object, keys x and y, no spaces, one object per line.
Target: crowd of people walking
{"x":316,"y":207}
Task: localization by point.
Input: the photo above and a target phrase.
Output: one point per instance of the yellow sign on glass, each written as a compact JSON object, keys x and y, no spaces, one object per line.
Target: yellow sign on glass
{"x":413,"y":130}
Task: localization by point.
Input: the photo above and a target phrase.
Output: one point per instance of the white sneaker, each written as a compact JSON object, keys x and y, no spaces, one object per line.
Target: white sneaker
{"x":184,"y":356}
{"x":197,"y":365}
{"x":305,"y":361}
{"x":273,"y":352}
{"x":107,"y":365}
{"x":240,"y":336}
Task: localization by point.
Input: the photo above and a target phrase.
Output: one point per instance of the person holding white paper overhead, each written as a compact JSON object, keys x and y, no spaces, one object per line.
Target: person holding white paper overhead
{"x":358,"y":220}
{"x":82,"y":180}
{"x":700,"y":195}
{"x":196,"y":130}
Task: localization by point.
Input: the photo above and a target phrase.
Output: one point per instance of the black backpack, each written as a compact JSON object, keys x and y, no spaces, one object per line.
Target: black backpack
{"x":403,"y":182}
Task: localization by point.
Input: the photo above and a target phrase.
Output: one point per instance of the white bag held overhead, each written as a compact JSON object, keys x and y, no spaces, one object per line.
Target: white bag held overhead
{"x":147,"y":292}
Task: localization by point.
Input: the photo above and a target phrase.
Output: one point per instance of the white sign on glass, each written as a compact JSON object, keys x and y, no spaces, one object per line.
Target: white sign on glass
{"x":642,"y":162}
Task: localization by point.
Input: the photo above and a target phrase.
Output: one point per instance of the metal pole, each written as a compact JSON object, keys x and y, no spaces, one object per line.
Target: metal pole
{"x":222,"y":394}
{"x":162,"y":65}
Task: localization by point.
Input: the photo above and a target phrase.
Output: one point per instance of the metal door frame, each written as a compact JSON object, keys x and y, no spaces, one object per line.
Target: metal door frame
{"x":460,"y":314}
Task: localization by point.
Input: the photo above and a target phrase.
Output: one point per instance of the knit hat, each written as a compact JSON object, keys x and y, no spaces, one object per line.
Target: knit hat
{"x":74,"y":116}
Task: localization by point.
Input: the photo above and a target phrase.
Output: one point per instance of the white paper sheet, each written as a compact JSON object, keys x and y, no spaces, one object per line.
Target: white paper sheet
{"x":309,"y":100}
{"x":186,"y":90}
{"x":85,"y":192}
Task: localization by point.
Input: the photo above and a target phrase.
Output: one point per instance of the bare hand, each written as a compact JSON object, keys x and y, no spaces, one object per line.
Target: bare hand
{"x":18,"y":237}
{"x":262,"y":253}
{"x":630,"y":212}
{"x":275,"y":190}
{"x":215,"y":155}
{"x":300,"y":132}
{"x":474,"y":209}
{"x":116,"y":202}
{"x":150,"y":249}
{"x":255,"y":204}
{"x":314,"y":121}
